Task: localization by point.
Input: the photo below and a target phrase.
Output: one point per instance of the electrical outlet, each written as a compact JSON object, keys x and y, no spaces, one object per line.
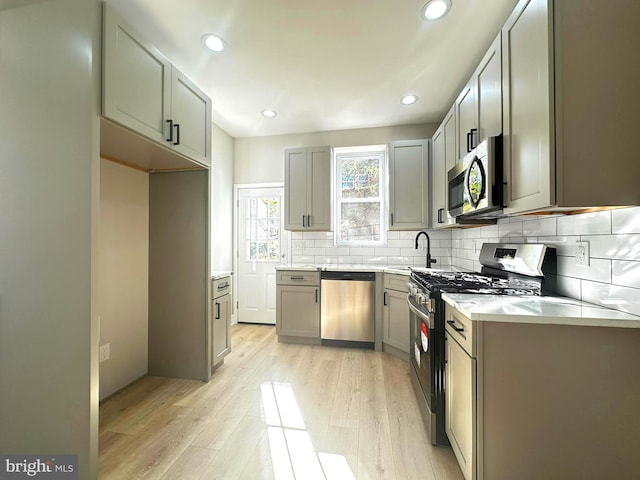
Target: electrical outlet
{"x":582,"y":253}
{"x":104,"y":352}
{"x":298,"y":244}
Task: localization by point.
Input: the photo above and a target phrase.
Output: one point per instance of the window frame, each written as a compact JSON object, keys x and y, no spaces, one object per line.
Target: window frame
{"x":340,"y":153}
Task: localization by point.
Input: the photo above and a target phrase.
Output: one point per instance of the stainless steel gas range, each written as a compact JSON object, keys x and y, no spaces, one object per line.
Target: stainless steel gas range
{"x":507,"y":269}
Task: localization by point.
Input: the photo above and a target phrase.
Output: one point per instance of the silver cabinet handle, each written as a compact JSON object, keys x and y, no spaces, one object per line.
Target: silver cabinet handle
{"x":223,"y":285}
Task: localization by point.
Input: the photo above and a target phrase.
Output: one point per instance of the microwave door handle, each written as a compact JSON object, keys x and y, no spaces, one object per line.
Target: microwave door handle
{"x":468,"y":142}
{"x":474,"y":138}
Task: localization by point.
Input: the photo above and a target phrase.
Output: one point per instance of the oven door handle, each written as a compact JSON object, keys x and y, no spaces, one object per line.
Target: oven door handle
{"x":414,"y":309}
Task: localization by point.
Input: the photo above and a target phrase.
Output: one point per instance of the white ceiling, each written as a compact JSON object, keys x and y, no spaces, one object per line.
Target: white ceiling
{"x":321,"y":64}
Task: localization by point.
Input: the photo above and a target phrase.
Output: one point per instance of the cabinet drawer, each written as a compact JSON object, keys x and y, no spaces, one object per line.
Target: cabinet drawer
{"x":221,"y":286}
{"x":394,"y":281}
{"x":462,"y":329}
{"x":297,"y":277}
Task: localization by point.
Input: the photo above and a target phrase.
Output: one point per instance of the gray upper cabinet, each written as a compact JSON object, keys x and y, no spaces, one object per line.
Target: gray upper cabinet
{"x":443,"y":159}
{"x":409,"y":185}
{"x":145,"y":93}
{"x":307,"y":189}
{"x":136,"y":77}
{"x":478,"y":108}
{"x":570,"y":105}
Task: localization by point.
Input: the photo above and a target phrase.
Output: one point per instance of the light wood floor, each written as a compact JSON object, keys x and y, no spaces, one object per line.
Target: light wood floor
{"x":274,"y":411}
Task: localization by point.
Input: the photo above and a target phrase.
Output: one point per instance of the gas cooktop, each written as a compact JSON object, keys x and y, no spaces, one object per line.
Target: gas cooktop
{"x":464,"y":282}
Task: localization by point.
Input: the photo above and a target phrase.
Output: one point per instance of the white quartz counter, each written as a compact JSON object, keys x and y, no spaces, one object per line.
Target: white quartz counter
{"x":396,"y":269}
{"x":217,"y":275}
{"x":542,"y":310}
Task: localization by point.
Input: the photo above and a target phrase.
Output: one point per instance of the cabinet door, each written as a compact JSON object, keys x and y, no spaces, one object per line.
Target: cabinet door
{"x":409,"y":185}
{"x":527,"y":107}
{"x":298,"y":311}
{"x":191,"y":116}
{"x":460,"y":412}
{"x":136,"y":79}
{"x":443,"y":159}
{"x":465,"y":108}
{"x":221,"y":332}
{"x":396,"y":320}
{"x":295,"y":188}
{"x":488,"y":79}
{"x":319,"y":189}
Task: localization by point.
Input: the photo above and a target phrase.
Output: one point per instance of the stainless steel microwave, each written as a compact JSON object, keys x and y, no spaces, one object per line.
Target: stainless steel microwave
{"x":475,"y":184}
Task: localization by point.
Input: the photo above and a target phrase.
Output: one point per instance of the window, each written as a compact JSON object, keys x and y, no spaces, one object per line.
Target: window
{"x":263,"y":229}
{"x":360,"y":192}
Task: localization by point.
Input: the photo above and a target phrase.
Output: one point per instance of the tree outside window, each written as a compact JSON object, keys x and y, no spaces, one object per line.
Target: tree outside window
{"x":360,"y":196}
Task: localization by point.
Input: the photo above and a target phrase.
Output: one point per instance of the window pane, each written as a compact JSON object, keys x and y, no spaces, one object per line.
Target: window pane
{"x":360,"y":177}
{"x":360,"y":221}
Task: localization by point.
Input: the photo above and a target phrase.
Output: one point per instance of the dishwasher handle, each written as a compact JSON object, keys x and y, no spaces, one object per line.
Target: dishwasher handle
{"x":348,"y":276}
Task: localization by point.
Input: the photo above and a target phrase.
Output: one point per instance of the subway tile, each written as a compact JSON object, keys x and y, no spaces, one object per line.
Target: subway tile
{"x":567,"y":286}
{"x":539,"y":226}
{"x":507,"y":230}
{"x":398,"y":260}
{"x":350,"y":259}
{"x":364,"y":251}
{"x":408,"y":235}
{"x":585,"y":224}
{"x":302,"y":259}
{"x":412,"y":252}
{"x":625,"y":220}
{"x":375,"y":260}
{"x":337,"y":251}
{"x":565,"y":246}
{"x":317,"y":235}
{"x":320,"y":243}
{"x":598,"y":270}
{"x":325,"y":260}
{"x":490,"y":231}
{"x":386,"y":251}
{"x":314,"y":251}
{"x":393,"y":235}
{"x":616,"y":247}
{"x":616,"y":297}
{"x":400,"y":243}
{"x":626,"y":274}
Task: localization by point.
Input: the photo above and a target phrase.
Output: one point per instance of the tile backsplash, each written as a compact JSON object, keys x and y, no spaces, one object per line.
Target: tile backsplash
{"x":611,"y":279}
{"x":319,"y":248}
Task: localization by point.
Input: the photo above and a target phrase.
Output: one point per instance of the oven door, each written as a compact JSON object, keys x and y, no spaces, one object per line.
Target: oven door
{"x":421,"y":336}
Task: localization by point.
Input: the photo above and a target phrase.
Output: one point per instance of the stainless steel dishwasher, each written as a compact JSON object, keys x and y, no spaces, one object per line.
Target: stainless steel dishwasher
{"x":347,"y":307}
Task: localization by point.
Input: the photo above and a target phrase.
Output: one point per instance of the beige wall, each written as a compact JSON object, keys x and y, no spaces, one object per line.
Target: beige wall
{"x":123,"y":274}
{"x":261,"y":159}
{"x":221,"y":200}
{"x":49,"y":185}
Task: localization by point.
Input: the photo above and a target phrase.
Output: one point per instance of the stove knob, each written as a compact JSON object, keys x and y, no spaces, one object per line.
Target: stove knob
{"x":420,"y":299}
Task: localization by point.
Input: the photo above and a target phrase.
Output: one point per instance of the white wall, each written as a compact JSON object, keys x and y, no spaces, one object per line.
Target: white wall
{"x":261,"y":159}
{"x":123,"y":274}
{"x":221,"y":200}
{"x":613,"y":277}
{"x":49,"y":186}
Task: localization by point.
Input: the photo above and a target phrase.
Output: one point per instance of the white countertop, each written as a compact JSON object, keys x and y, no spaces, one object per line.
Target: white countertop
{"x":543,"y":310}
{"x":217,"y":275}
{"x":396,"y":269}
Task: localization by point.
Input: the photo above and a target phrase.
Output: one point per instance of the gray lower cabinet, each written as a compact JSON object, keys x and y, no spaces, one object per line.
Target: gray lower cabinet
{"x":395,"y":320}
{"x":221,"y":320}
{"x":298,"y":304}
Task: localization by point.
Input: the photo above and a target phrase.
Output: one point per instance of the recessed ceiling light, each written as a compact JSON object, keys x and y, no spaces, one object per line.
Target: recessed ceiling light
{"x":409,"y":99}
{"x":214,"y":42}
{"x":269,"y":113}
{"x":435,"y":9}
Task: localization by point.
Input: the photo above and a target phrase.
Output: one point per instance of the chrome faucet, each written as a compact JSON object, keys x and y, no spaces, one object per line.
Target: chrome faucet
{"x":429,"y":260}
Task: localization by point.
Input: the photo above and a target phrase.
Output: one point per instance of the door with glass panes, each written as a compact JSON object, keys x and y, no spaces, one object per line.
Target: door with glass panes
{"x":261,"y":245}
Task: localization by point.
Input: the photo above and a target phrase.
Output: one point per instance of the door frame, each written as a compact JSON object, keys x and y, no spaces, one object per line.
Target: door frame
{"x":236,"y":251}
